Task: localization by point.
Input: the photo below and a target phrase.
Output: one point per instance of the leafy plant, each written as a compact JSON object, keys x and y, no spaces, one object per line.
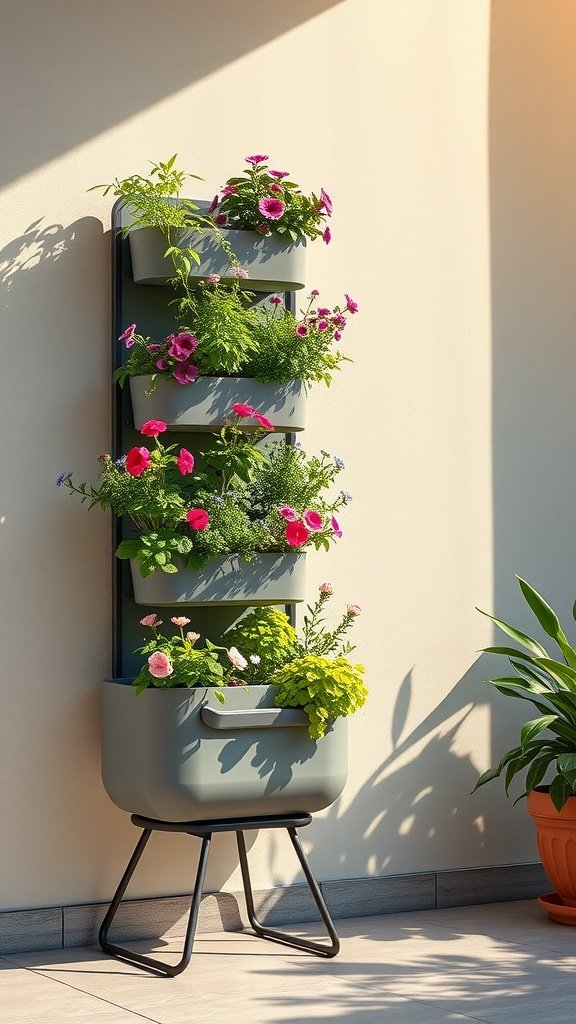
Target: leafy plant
{"x":177,"y":662}
{"x":267,"y":201}
{"x":548,"y":741}
{"x":324,"y":688}
{"x":267,"y":634}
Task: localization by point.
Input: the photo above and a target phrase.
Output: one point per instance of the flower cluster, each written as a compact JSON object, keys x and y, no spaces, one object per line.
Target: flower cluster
{"x":171,"y":357}
{"x":267,"y":201}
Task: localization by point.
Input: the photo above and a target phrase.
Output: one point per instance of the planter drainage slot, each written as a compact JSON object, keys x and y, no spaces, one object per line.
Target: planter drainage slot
{"x":204,"y":831}
{"x":256,"y":718}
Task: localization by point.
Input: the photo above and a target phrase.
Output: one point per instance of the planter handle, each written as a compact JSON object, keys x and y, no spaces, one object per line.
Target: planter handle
{"x":254,"y":718}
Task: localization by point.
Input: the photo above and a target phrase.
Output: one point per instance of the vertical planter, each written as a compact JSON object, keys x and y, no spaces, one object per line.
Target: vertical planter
{"x":179,"y":755}
{"x":268,"y":579}
{"x":273,"y":265}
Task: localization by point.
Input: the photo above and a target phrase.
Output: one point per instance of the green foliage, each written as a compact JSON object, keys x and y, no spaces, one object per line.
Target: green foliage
{"x":190,"y":665}
{"x":156,"y":550}
{"x":231,"y":531}
{"x":548,"y":741}
{"x":223,"y":324}
{"x":150,"y":201}
{"x":289,"y":477}
{"x":324,"y":688}
{"x":267,"y":634}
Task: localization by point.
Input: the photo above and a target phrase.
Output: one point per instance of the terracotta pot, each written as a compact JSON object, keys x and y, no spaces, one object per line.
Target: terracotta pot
{"x":556,"y":835}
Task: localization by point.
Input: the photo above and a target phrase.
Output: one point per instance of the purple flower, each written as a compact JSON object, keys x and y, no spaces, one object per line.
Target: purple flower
{"x":263,"y":229}
{"x":301,"y":331}
{"x":161,"y":364}
{"x":351,"y":306}
{"x":323,"y":311}
{"x":322,"y":325}
{"x":155,"y":347}
{"x":127,"y":336}
{"x":279,"y":174}
{"x":339,"y":321}
{"x":336,"y":527}
{"x":186,"y":373}
{"x":271,"y":208}
{"x":327,"y":236}
{"x":338,"y":463}
{"x":182,"y":346}
{"x":221,"y":219}
{"x":63,"y":478}
{"x":325,"y":202}
{"x":213,"y":204}
{"x":258,"y":159}
{"x":337,"y":335}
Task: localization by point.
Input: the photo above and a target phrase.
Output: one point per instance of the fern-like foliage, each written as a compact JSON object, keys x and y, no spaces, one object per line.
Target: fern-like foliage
{"x":324,"y":688}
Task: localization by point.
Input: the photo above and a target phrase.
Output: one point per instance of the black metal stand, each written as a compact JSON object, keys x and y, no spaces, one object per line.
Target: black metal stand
{"x":204,"y":831}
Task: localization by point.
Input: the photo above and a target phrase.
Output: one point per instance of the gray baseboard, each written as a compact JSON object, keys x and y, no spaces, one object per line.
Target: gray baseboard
{"x":165,"y":917}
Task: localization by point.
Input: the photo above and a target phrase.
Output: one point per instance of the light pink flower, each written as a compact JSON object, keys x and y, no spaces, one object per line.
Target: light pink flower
{"x":326,"y":588}
{"x":313,"y":520}
{"x":279,"y":174}
{"x":153,"y":427}
{"x":197,"y":519}
{"x":185,"y":373}
{"x":137,"y":460}
{"x":213,"y":279}
{"x":185,"y":462}
{"x":213,"y":204}
{"x":325,"y":202}
{"x":180,"y":620}
{"x":243,"y":410}
{"x":351,"y":306}
{"x":301,"y":331}
{"x":327,"y":236}
{"x":275,"y":300}
{"x":236,"y":659}
{"x":151,"y":620}
{"x":288,"y":514}
{"x":127,"y":336}
{"x":353,"y":609}
{"x":258,"y":159}
{"x":296,"y":534}
{"x":192,"y":637}
{"x":336,"y":526}
{"x":271,"y":208}
{"x":159,"y":665}
{"x":239,"y":272}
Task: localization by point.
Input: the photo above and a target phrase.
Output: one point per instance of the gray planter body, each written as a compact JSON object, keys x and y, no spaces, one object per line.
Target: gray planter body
{"x":267,"y":579}
{"x":180,"y":755}
{"x":205,"y":404}
{"x":273,"y":265}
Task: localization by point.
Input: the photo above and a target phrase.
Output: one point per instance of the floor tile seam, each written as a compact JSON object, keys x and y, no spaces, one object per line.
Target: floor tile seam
{"x":446,"y":1009}
{"x":497,"y":938}
{"x":37,"y":972}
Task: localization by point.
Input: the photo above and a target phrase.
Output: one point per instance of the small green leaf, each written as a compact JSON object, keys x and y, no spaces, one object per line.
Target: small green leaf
{"x":532,"y":729}
{"x":560,"y":790}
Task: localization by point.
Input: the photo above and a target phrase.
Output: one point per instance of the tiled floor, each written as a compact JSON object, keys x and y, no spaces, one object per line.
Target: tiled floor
{"x":503,"y":963}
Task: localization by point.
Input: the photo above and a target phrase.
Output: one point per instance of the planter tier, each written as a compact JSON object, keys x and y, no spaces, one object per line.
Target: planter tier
{"x":267,"y":579}
{"x":179,"y":755}
{"x":205,"y":404}
{"x":273,"y":265}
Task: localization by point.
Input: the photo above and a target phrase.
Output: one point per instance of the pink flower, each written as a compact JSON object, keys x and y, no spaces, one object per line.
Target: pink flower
{"x":151,"y":620}
{"x":314,"y":293}
{"x":271,"y":208}
{"x":279,"y":174}
{"x":213,"y":279}
{"x":180,"y":620}
{"x":221,"y":219}
{"x":313,"y":520}
{"x":288,"y":514}
{"x":236,"y":659}
{"x":161,"y":364}
{"x":213,"y":204}
{"x":263,"y":421}
{"x":263,"y":229}
{"x":155,"y":348}
{"x":153,"y":427}
{"x":159,"y":665}
{"x":243,"y":410}
{"x":192,"y":637}
{"x":327,"y":236}
{"x":275,"y":300}
{"x":325,"y":202}
{"x":326,"y":588}
{"x":229,"y":190}
{"x":337,"y":335}
{"x":323,"y":311}
{"x":336,"y":526}
{"x":258,"y":159}
{"x":186,"y":373}
{"x":322,"y":325}
{"x":239,"y":272}
{"x":353,"y":609}
{"x":137,"y":460}
{"x":276,"y":189}
{"x":127,"y":336}
{"x":296,"y":534}
{"x":351,"y":306}
{"x":185,"y":461}
{"x":339,"y":321}
{"x":301,"y":331}
{"x":182,"y":346}
{"x":197,"y":519}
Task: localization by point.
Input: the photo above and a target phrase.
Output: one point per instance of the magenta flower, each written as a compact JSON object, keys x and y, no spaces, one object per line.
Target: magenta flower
{"x":325,"y":202}
{"x":327,"y":236}
{"x":153,"y":427}
{"x":213,"y":279}
{"x":186,"y":373}
{"x":339,"y":321}
{"x":313,"y":520}
{"x":137,"y":460}
{"x":221,"y":219}
{"x":154,"y":347}
{"x":161,"y":364}
{"x":182,"y":346}
{"x":276,"y":189}
{"x":240,"y":272}
{"x":159,"y":665}
{"x":314,"y":293}
{"x":296,"y":534}
{"x":271,"y":208}
{"x":322,"y":325}
{"x":127,"y":336}
{"x":337,"y":335}
{"x":229,"y":190}
{"x":197,"y":519}
{"x":323,"y":311}
{"x":288,"y":514}
{"x":243,"y":410}
{"x":213,"y":204}
{"x":263,"y":229}
{"x":185,"y":461}
{"x":326,"y":588}
{"x":351,"y":306}
{"x":301,"y":331}
{"x":336,"y":526}
{"x":263,"y":421}
{"x":258,"y":159}
{"x":279,"y":174}
{"x":275,"y":300}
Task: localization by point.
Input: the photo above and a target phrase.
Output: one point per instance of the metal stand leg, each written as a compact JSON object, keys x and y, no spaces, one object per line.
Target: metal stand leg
{"x":138,"y":958}
{"x":275,"y":936}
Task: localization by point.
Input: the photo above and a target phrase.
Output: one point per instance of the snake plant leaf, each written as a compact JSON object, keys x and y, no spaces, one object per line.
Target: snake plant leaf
{"x":548,"y":620}
{"x":521,"y":638}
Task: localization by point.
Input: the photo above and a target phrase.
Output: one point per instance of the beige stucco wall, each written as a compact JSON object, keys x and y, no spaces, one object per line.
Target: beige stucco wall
{"x":442,"y":131}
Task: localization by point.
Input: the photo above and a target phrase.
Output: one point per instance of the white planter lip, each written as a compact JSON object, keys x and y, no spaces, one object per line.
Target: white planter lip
{"x":270,"y":578}
{"x":272,"y":263}
{"x":207,"y":402}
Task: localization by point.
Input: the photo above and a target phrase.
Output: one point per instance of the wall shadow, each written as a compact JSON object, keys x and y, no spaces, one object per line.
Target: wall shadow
{"x":137,"y":52}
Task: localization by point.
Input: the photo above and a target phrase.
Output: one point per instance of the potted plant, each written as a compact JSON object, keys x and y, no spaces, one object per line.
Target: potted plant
{"x":265,"y":355}
{"x":218,"y":730}
{"x":266,"y":220}
{"x":227,"y":526}
{"x":547,"y":748}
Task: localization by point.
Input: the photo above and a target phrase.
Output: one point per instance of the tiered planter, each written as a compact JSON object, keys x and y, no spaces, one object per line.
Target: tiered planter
{"x":268,"y":579}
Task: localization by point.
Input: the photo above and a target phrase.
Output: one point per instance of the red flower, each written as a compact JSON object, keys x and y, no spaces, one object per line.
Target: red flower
{"x":185,"y":461}
{"x":263,"y":421}
{"x":137,"y":460}
{"x":153,"y":427}
{"x":243,"y":410}
{"x":197,"y":519}
{"x":296,"y":534}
